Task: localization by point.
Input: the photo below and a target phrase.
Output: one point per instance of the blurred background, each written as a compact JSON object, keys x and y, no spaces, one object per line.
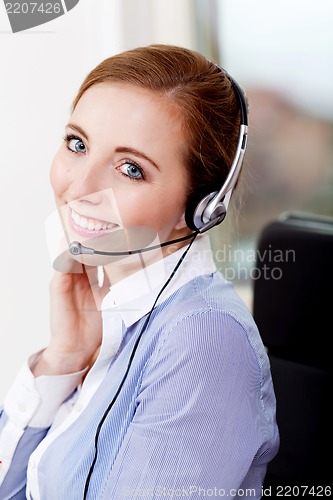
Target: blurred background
{"x":281,"y":54}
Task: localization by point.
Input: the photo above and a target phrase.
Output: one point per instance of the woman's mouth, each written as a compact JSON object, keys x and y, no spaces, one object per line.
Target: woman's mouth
{"x":88,"y":227}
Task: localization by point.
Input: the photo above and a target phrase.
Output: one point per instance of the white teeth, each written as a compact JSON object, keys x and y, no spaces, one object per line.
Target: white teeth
{"x":76,"y":217}
{"x":83,"y":222}
{"x":90,"y":224}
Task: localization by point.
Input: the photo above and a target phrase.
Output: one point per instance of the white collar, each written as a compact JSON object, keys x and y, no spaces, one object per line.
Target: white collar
{"x":134,"y":296}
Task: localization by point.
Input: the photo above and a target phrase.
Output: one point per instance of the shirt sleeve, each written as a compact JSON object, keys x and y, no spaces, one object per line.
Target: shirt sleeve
{"x":28,"y":411}
{"x":201,"y":420}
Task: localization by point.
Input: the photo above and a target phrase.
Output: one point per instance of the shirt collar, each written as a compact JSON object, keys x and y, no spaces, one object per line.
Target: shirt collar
{"x":134,"y":296}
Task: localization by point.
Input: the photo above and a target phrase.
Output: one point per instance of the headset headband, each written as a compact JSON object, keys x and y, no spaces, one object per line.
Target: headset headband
{"x":212,"y":209}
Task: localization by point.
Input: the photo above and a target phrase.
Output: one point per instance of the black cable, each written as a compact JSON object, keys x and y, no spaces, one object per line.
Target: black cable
{"x":144,"y":327}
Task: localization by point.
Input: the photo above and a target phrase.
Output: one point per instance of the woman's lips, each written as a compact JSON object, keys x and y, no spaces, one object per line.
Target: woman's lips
{"x":87,"y":227}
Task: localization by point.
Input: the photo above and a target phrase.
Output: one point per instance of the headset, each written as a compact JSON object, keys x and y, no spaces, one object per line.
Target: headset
{"x":200,"y":214}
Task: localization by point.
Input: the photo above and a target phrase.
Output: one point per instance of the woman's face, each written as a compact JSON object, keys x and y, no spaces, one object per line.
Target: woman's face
{"x":121,"y":165}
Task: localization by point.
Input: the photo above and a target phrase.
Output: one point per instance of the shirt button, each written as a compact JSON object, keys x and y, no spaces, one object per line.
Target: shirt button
{"x":31,"y":464}
{"x":78,"y":407}
{"x":21,"y":407}
{"x":112,"y":351}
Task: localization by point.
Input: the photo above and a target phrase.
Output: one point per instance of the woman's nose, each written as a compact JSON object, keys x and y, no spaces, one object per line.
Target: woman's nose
{"x":86,"y":185}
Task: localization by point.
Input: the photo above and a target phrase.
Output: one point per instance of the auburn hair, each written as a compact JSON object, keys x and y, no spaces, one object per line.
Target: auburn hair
{"x":205,"y":98}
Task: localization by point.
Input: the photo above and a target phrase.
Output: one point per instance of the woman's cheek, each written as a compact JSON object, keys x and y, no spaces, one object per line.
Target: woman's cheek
{"x":123,"y":201}
{"x":58,"y":177}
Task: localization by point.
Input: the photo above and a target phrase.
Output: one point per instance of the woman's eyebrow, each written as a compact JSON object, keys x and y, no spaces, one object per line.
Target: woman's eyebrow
{"x":120,"y":149}
{"x":78,"y":129}
{"x":138,"y":153}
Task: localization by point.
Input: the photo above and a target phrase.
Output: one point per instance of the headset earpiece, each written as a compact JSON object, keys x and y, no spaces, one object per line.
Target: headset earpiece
{"x":197,"y":213}
{"x":192,"y":203}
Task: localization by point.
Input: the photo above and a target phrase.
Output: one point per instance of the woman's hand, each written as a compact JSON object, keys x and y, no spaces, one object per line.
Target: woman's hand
{"x":76,"y":324}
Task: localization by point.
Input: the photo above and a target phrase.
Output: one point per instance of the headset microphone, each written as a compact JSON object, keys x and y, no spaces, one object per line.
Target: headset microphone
{"x":137,"y":238}
{"x":76,"y":248}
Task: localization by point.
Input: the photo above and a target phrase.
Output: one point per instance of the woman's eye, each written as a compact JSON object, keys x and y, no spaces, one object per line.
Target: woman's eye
{"x":131,"y":170}
{"x":75,"y":144}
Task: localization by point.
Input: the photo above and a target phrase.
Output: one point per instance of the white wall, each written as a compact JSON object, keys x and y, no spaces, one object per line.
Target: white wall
{"x":40,"y":72}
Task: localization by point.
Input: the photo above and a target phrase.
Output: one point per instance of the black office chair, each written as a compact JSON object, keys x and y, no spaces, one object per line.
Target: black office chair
{"x":293,"y":308}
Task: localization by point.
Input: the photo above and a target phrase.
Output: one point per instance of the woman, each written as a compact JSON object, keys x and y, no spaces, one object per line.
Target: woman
{"x":155,"y":382}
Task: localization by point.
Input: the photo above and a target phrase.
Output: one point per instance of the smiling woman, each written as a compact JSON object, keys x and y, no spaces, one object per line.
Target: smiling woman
{"x":156,"y":379}
{"x":125,"y":168}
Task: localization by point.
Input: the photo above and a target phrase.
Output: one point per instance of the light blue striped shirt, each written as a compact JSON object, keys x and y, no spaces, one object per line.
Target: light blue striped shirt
{"x":195,"y":416}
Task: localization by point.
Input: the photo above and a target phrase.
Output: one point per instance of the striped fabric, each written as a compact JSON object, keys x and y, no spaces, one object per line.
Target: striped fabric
{"x":195,"y":416}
